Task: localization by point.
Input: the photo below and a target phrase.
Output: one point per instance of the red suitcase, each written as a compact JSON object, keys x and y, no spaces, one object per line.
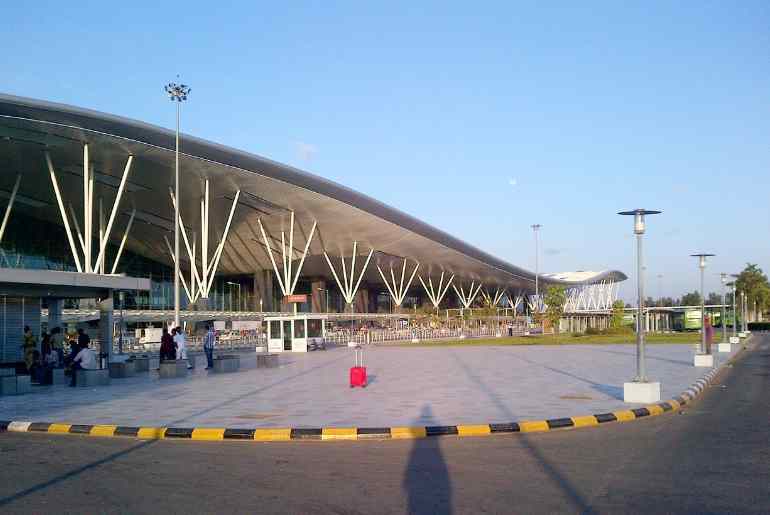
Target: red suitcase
{"x":358,"y":372}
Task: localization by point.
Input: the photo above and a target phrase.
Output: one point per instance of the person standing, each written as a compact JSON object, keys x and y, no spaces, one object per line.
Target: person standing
{"x":181,"y":345}
{"x":57,"y":344}
{"x":167,"y":346}
{"x":208,"y":346}
{"x":29,"y":346}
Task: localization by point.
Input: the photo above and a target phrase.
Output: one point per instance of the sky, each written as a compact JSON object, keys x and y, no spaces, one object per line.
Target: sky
{"x":479,"y":118}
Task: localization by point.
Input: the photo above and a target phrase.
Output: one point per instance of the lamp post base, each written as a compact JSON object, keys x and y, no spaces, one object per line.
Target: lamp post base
{"x":724,"y":347}
{"x":703,"y":360}
{"x":641,"y":393}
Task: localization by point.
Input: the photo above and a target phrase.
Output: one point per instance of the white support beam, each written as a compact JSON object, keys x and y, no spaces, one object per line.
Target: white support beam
{"x":9,"y":207}
{"x":213,"y":272}
{"x":123,"y":241}
{"x":351,"y":285}
{"x":60,"y":202}
{"x":396,"y":289}
{"x":467,"y":298}
{"x":106,"y":236}
{"x":436,"y":296}
{"x":269,"y":251}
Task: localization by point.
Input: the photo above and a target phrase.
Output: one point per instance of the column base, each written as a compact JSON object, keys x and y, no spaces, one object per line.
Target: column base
{"x":703,"y":360}
{"x":735,"y":339}
{"x":724,"y":347}
{"x":641,"y":393}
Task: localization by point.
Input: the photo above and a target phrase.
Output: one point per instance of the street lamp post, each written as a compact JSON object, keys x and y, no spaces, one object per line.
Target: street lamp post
{"x":735,"y":312}
{"x":723,"y":276}
{"x":640,"y":390}
{"x":536,"y":230}
{"x":704,"y":357}
{"x":177,"y":93}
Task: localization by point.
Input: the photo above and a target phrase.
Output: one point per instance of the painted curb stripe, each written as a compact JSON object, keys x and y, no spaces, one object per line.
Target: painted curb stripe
{"x":473,"y":430}
{"x":511,"y":427}
{"x":666,"y":405}
{"x":4,"y":425}
{"x":80,"y":429}
{"x":208,"y":434}
{"x":556,"y":423}
{"x":306,"y":433}
{"x":126,"y":431}
{"x":606,"y":417}
{"x":238,"y":434}
{"x":18,"y":426}
{"x":103,"y":430}
{"x":178,"y":432}
{"x":151,"y":433}
{"x":641,"y":412}
{"x":440,"y":430}
{"x":585,"y":421}
{"x":59,"y":428}
{"x":624,"y":415}
{"x":533,"y":426}
{"x":271,"y":435}
{"x":373,"y":432}
{"x":339,"y":433}
{"x":41,"y":427}
{"x":407,"y":432}
{"x":654,"y":410}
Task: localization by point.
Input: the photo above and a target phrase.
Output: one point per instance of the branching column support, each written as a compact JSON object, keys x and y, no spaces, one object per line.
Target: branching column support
{"x":349,"y":285}
{"x":514,"y":302}
{"x":287,"y":277}
{"x":437,"y":295}
{"x":85,"y":238}
{"x":396,"y":289}
{"x":202,"y":280}
{"x":467,"y":298}
{"x":492,"y":301}
{"x":9,"y":207}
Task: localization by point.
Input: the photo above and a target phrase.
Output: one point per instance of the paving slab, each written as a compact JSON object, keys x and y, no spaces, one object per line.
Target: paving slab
{"x":407,"y":386}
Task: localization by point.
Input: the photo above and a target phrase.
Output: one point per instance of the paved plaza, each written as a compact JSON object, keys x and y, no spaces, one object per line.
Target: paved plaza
{"x":407,"y":386}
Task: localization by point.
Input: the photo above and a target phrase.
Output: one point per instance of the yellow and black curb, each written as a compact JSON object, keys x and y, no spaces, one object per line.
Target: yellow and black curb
{"x":362,"y":433}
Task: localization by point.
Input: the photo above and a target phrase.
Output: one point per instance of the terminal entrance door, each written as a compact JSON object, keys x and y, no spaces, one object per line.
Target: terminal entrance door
{"x":287,"y":332}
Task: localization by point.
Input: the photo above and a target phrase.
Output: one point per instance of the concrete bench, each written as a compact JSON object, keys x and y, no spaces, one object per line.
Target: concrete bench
{"x":171,"y":368}
{"x":15,"y":385}
{"x":227,"y":363}
{"x":121,"y":370}
{"x":267,"y":360}
{"x":141,"y":364}
{"x":92,"y":377}
{"x":58,"y":376}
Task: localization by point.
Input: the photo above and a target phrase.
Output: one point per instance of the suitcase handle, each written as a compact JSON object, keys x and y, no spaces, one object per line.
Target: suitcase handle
{"x":359,"y":355}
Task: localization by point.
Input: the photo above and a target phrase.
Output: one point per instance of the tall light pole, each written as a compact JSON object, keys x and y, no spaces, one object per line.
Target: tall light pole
{"x":536,"y":230}
{"x":702,"y":265}
{"x":735,"y":311}
{"x":177,"y":93}
{"x":723,"y":276}
{"x":640,"y":390}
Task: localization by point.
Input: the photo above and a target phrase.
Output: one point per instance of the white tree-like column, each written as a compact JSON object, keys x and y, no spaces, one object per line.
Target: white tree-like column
{"x":436,"y":295}
{"x":349,"y":285}
{"x":467,"y":298}
{"x":287,"y":277}
{"x":492,"y":301}
{"x":397,"y":289}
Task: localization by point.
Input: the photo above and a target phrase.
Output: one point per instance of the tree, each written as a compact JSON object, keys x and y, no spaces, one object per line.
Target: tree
{"x":754,"y":283}
{"x":617,"y":314}
{"x":555,"y":298}
{"x":690,"y":299}
{"x":714,"y":298}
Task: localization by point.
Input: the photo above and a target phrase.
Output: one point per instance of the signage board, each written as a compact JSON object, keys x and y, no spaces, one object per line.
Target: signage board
{"x":296,"y":299}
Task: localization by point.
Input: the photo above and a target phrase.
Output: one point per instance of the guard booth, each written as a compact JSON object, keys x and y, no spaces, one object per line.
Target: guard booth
{"x":294,"y":333}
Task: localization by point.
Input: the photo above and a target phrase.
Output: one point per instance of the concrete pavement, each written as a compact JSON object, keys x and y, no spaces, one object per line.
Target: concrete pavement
{"x":711,"y":458}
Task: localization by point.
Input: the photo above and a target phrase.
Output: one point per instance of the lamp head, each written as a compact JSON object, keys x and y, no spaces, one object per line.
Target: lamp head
{"x":177,"y":92}
{"x":638,"y":215}
{"x":702,"y":258}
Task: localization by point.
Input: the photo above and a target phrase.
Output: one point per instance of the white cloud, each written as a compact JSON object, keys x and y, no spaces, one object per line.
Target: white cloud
{"x":512,"y":182}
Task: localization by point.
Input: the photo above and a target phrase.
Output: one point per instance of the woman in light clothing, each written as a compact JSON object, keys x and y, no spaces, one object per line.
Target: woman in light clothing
{"x":181,"y":345}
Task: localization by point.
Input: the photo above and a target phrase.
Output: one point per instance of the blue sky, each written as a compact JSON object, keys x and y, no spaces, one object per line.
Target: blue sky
{"x":480,"y":118}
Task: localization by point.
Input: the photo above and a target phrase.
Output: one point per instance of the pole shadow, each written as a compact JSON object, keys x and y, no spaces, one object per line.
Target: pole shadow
{"x":427,"y":483}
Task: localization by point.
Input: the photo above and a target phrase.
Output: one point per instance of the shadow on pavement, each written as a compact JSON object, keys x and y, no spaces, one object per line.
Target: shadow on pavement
{"x":559,"y":479}
{"x":426,"y":478}
{"x":72,"y":473}
{"x":613,"y":391}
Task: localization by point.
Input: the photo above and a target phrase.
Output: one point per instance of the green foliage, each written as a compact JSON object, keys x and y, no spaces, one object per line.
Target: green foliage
{"x":555,"y":298}
{"x":754,"y":283}
{"x":690,"y":299}
{"x":617,"y":314}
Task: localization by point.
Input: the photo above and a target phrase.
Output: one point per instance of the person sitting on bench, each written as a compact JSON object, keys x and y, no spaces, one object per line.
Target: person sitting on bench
{"x":85,"y":360}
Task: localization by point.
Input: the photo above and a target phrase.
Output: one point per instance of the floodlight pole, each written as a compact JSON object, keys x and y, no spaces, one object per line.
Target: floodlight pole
{"x":735,"y":312}
{"x":638,"y":214}
{"x":702,"y":265}
{"x":536,"y":229}
{"x":177,"y":93}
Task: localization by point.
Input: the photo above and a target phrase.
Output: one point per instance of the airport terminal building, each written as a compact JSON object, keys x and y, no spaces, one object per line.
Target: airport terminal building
{"x":87,"y":206}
